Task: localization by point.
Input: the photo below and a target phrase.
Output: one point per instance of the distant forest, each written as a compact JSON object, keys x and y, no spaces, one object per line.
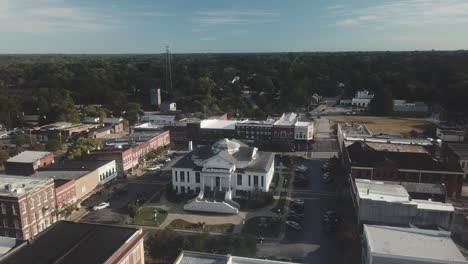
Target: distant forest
{"x":50,"y":85}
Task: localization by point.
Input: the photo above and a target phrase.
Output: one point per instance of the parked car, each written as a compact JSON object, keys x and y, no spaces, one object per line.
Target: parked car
{"x":301,"y":168}
{"x":297,"y":208}
{"x":297,"y":201}
{"x":331,"y":217}
{"x":294,"y":218}
{"x":327,"y":178}
{"x":297,"y":213}
{"x":326,"y":166}
{"x":260,"y":239}
{"x":101,"y":206}
{"x":294,"y":225}
{"x":167,"y":159}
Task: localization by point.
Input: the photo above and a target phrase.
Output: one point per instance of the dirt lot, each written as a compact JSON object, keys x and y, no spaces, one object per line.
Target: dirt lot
{"x":386,"y":124}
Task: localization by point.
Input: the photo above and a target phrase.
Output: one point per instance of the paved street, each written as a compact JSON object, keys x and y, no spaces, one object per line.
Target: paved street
{"x":312,"y":244}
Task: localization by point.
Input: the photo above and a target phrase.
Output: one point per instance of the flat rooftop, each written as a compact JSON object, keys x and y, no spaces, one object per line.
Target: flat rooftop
{"x":380,"y":191}
{"x":71,"y":165}
{"x":28,"y":156}
{"x":397,"y":147}
{"x":395,"y":193}
{"x":412,"y":243}
{"x":460,"y":149}
{"x":191,"y":257}
{"x":72,"y":243}
{"x":61,"y":174}
{"x":7,"y":244}
{"x":20,"y":184}
{"x":304,"y":124}
{"x":218,"y":124}
{"x":131,"y":140}
{"x":358,"y":130}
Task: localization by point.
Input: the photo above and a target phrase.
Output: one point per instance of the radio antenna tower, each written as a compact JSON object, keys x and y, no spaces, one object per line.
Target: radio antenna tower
{"x":168,"y":70}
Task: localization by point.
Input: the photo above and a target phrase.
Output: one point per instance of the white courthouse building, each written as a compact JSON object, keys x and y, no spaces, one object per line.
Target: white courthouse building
{"x":227,"y":169}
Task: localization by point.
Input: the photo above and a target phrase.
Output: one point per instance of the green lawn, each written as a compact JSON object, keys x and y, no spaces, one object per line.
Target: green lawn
{"x":280,"y":204}
{"x":145,"y":216}
{"x":182,"y":224}
{"x":268,"y":227}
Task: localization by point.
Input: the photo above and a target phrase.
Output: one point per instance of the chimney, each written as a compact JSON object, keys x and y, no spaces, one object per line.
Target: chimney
{"x":190,"y":146}
{"x":158,"y":95}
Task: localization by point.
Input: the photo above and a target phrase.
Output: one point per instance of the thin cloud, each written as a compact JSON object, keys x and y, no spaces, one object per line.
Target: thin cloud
{"x":208,"y":39}
{"x":406,"y":12}
{"x":46,"y":16}
{"x":233,"y":17}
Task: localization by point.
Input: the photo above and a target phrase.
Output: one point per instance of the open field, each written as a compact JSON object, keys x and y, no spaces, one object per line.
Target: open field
{"x":387,"y":124}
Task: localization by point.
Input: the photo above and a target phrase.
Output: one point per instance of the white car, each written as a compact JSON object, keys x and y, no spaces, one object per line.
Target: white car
{"x":101,"y":206}
{"x":153,"y":168}
{"x":167,"y":160}
{"x":301,"y":168}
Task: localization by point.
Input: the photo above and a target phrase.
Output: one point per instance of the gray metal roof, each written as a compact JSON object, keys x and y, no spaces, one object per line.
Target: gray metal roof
{"x":412,"y":243}
{"x":28,"y":156}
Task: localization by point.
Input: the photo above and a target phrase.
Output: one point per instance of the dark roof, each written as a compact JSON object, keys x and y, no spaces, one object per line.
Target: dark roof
{"x":460,"y":149}
{"x":60,"y":182}
{"x":100,"y":129}
{"x":363,"y":155}
{"x":80,"y":165}
{"x":72,"y":243}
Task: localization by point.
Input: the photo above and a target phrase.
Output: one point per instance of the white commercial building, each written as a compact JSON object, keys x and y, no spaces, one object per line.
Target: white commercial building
{"x":397,"y":245}
{"x":362,"y":98}
{"x":228,"y":168}
{"x":390,"y":203}
{"x":191,"y":257}
{"x":158,"y":118}
{"x":304,"y":131}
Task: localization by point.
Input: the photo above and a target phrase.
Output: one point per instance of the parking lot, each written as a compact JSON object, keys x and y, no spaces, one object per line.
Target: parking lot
{"x":142,"y":187}
{"x":314,"y":244}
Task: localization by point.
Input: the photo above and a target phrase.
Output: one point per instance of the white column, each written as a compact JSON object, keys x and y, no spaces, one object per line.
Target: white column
{"x":212,"y":183}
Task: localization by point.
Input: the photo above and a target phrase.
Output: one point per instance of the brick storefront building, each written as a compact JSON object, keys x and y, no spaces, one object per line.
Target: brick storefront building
{"x":27,"y":162}
{"x":27,"y":206}
{"x":128,"y":152}
{"x":366,"y":162}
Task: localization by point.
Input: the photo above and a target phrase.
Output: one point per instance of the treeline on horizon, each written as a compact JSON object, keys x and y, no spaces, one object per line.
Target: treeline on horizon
{"x":50,"y":85}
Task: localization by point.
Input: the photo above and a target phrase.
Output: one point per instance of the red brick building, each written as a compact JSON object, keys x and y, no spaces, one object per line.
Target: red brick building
{"x":27,"y":206}
{"x":366,"y":162}
{"x":79,"y":243}
{"x":27,"y":162}
{"x":77,"y":180}
{"x":128,"y":152}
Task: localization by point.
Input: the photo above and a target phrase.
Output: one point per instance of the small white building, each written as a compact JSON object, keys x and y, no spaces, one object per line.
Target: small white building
{"x":228,"y":168}
{"x":90,"y":120}
{"x":398,"y":245}
{"x":304,"y":131}
{"x":158,"y":118}
{"x":362,"y":98}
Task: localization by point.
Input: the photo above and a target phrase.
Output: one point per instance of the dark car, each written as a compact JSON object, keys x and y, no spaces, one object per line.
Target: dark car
{"x":294,"y":218}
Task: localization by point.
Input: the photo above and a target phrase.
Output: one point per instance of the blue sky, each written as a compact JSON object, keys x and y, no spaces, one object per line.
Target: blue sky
{"x":145,"y":26}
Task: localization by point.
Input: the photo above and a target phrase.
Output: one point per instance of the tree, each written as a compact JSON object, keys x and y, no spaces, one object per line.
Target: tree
{"x":133,"y":112}
{"x":81,"y":146}
{"x":382,"y":103}
{"x":3,"y":156}
{"x":53,"y":145}
{"x":19,"y":139}
{"x":206,"y":86}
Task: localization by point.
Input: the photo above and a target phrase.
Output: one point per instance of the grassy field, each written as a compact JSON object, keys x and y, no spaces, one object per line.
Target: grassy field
{"x":387,"y":124}
{"x":145,"y":216}
{"x":182,"y":224}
